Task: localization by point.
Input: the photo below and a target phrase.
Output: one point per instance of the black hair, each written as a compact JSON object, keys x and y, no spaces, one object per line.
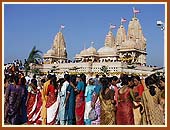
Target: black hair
{"x":149,"y":81}
{"x":34,"y":76}
{"x":131,"y":79}
{"x":97,"y":76}
{"x":42,"y":80}
{"x":67,"y":77}
{"x":49,"y":76}
{"x":61,"y":81}
{"x":124,"y":78}
{"x":16,"y":79}
{"x":105,"y":84}
{"x":54,"y":81}
{"x":136,"y":77}
{"x":91,"y":81}
{"x":114,"y":78}
{"x":34,"y":81}
{"x":73,"y":79}
{"x":152,"y":90}
{"x":109,"y":79}
{"x":23,"y":81}
{"x":83,"y":78}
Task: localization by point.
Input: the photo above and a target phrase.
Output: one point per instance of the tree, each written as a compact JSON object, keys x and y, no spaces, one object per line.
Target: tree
{"x":34,"y":57}
{"x":104,"y":69}
{"x":36,"y":71}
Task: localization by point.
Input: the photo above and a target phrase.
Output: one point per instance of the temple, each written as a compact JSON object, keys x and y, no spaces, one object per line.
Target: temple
{"x":124,"y":52}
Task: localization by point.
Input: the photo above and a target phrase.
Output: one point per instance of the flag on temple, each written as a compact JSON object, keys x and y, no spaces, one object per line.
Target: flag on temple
{"x":112,"y":26}
{"x":123,"y":20}
{"x":62,"y":26}
{"x":135,"y":11}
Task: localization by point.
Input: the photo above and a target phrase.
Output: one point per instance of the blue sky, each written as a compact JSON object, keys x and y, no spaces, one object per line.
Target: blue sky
{"x":26,"y":25}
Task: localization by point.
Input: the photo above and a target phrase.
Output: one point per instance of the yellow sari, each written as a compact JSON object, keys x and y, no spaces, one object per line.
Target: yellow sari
{"x":107,"y":115}
{"x":44,"y":100}
{"x":152,"y":114}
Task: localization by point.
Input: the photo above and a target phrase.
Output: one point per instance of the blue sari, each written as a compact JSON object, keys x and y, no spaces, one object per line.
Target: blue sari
{"x":24,"y":93}
{"x":70,"y":106}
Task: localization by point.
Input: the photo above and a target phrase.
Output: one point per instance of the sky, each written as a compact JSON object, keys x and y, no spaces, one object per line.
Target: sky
{"x":28,"y":25}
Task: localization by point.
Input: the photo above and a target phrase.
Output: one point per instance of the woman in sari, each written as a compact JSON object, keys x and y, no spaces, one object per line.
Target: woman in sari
{"x":44,"y":100}
{"x":106,"y":96}
{"x":124,"y":114}
{"x":70,"y":102}
{"x":62,"y":94}
{"x":162,"y":96}
{"x":137,"y":90}
{"x":96,"y":102}
{"x":37,"y":119}
{"x":31,"y":101}
{"x":80,"y":101}
{"x":13,"y":102}
{"x":88,"y":98}
{"x":152,"y":114}
{"x":52,"y":103}
{"x":24,"y":93}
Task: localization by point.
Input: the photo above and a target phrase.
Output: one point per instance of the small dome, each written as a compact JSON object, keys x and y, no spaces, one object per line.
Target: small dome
{"x":91,"y":50}
{"x":107,"y":51}
{"x":78,"y":56}
{"x":51,"y":52}
{"x":83,"y":52}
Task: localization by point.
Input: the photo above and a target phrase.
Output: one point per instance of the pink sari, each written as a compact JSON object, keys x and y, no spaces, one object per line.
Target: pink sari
{"x":124,"y":114}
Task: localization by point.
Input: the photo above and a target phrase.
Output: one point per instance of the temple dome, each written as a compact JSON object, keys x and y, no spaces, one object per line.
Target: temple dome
{"x":51,"y":52}
{"x":83,"y":52}
{"x":107,"y":51}
{"x":91,"y":50}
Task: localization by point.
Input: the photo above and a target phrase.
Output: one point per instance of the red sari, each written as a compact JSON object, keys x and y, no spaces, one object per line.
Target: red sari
{"x":124,"y":114}
{"x":31,"y":104}
{"x":80,"y":108}
{"x":37,"y":115}
{"x":51,"y":105}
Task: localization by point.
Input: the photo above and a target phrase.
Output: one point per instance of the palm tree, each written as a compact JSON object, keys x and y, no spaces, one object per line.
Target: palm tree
{"x":36,"y":71}
{"x":33,"y":57}
{"x":104,"y":69}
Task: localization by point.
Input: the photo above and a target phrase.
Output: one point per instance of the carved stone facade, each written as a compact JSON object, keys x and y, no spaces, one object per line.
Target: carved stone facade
{"x":129,"y":48}
{"x":124,"y":53}
{"x":58,"y":53}
{"x":133,"y":49}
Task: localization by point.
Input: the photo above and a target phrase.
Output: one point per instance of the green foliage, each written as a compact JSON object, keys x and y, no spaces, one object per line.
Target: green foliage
{"x":33,"y":57}
{"x":104,"y":69}
{"x":36,"y":71}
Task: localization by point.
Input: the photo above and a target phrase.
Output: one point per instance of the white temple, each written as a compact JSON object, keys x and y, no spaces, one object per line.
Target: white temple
{"x":125,"y":52}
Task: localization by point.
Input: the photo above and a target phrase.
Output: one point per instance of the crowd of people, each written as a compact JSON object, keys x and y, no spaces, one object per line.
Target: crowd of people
{"x":123,"y":100}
